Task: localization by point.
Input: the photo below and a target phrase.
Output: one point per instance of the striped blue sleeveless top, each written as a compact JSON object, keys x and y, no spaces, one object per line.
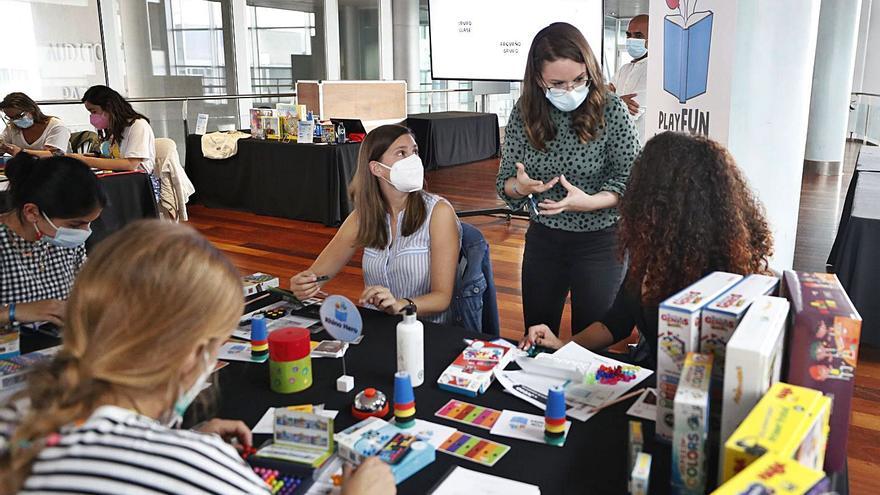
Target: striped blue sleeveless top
{"x":404,"y":267}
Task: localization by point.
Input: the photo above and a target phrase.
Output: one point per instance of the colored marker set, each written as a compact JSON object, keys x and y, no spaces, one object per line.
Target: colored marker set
{"x":259,"y":339}
{"x":278,"y":483}
{"x":554,"y":417}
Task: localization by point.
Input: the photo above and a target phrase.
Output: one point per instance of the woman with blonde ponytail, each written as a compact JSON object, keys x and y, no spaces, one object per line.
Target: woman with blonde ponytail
{"x":101,"y":417}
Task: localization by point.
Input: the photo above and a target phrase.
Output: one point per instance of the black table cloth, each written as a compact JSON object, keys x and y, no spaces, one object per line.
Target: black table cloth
{"x":290,"y":180}
{"x":454,"y":138}
{"x":854,"y":253}
{"x":593,"y":460}
{"x":129,"y":198}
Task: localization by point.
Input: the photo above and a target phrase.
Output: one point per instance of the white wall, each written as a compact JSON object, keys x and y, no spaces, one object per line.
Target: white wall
{"x":770,"y":101}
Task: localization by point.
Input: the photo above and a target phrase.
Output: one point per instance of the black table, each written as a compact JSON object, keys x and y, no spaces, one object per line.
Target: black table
{"x":130,"y":197}
{"x":593,"y":460}
{"x":290,"y":180}
{"x":454,"y":138}
{"x":854,"y":253}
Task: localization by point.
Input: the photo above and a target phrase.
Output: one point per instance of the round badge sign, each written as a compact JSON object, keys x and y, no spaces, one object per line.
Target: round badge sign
{"x":341,"y":318}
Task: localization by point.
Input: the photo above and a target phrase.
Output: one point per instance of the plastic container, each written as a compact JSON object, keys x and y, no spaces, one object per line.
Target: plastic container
{"x":290,"y":362}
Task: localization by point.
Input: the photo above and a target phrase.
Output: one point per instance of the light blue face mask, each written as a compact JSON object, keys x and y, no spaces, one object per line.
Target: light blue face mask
{"x":636,"y":48}
{"x":24,"y":122}
{"x":174,"y":417}
{"x":67,"y":237}
{"x":569,"y":100}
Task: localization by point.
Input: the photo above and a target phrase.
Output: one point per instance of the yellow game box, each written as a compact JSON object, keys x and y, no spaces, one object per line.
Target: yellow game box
{"x":789,"y":421}
{"x":776,"y":475}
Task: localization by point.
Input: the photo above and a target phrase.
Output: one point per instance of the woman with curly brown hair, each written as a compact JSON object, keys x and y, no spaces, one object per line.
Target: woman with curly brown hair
{"x":568,"y":148}
{"x":687,"y":212}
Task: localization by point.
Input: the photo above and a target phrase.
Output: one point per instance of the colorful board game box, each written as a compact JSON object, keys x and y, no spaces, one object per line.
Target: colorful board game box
{"x":678,"y":331}
{"x":14,"y":370}
{"x":403,"y":452}
{"x":257,"y":115}
{"x":258,"y":282}
{"x":776,"y":475}
{"x":723,"y":315}
{"x":300,"y":436}
{"x":690,"y":450}
{"x":823,"y":348}
{"x":10,"y":342}
{"x":754,"y":360}
{"x":790,"y":421}
{"x":472,"y":371}
{"x":641,"y":475}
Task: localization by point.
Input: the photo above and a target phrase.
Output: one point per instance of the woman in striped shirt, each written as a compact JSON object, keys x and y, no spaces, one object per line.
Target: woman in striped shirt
{"x":411,"y":238}
{"x":101,"y":415}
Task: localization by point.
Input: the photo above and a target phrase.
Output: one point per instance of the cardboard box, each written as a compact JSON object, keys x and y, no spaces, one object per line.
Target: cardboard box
{"x":473,"y":370}
{"x":14,"y":370}
{"x":790,"y":421}
{"x":405,"y":453}
{"x":823,"y":348}
{"x":754,"y":360}
{"x":678,"y":333}
{"x":776,"y":475}
{"x":636,"y":443}
{"x":10,"y":342}
{"x":690,"y":449}
{"x":258,"y":282}
{"x":723,"y":315}
{"x":641,"y":474}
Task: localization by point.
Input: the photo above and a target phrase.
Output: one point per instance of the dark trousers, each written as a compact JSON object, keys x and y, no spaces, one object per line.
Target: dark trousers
{"x":556,"y":262}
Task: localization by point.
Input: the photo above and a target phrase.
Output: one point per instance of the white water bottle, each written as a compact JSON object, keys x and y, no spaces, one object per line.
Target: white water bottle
{"x":411,"y":346}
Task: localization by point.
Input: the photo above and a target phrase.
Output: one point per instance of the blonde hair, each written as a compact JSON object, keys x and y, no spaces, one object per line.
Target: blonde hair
{"x":367,"y":197}
{"x":149,"y":295}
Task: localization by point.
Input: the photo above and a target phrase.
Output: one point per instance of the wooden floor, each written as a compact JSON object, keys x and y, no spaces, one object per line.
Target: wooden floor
{"x":285,"y":247}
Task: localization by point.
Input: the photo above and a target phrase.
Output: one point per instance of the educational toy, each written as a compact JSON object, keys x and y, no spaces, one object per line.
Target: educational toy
{"x":554,"y":417}
{"x":641,"y":475}
{"x":259,"y":339}
{"x":290,"y":364}
{"x":404,"y":452}
{"x":404,"y":400}
{"x":469,"y":414}
{"x":472,"y":371}
{"x":472,"y":448}
{"x":278,"y":483}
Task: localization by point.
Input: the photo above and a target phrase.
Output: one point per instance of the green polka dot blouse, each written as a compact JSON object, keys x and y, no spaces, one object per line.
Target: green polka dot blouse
{"x":602,"y":164}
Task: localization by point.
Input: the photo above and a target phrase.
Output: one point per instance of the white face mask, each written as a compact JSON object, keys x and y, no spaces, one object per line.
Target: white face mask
{"x":569,"y":100}
{"x":407,"y":175}
{"x":174,"y":417}
{"x":67,"y":237}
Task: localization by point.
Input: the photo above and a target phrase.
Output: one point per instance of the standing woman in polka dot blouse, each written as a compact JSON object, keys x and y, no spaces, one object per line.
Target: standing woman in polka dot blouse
{"x":568,"y":148}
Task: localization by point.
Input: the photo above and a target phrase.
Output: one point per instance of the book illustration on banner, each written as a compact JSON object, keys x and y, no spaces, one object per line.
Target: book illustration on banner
{"x":472,"y":448}
{"x":469,"y":414}
{"x":687,"y":39}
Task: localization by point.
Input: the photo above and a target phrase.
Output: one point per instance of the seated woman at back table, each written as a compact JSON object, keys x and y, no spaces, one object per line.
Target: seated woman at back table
{"x":687,"y":212}
{"x":128,"y":139}
{"x":411,"y":238}
{"x":102,"y":415}
{"x":29,"y":129}
{"x":42,"y":238}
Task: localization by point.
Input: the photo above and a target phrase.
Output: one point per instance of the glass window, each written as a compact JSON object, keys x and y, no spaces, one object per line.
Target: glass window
{"x":359,"y":39}
{"x":284,"y":46}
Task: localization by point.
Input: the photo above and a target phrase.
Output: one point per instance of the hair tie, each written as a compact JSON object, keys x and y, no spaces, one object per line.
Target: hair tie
{"x":53,"y":439}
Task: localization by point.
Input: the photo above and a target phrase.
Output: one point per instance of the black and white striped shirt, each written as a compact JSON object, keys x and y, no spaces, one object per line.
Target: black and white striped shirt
{"x":119,"y":451}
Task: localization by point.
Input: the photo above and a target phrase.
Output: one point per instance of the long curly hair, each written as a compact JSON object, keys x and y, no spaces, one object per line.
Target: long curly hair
{"x":561,"y":41}
{"x":688,"y":211}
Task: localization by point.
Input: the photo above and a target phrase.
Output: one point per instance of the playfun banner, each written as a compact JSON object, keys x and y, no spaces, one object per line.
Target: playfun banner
{"x":690,"y":62}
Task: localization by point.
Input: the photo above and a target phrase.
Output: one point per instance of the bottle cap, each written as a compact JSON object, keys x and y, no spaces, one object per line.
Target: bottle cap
{"x":289,"y":344}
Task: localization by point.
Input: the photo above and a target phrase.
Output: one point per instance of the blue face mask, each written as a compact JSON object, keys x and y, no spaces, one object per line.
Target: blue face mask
{"x":24,"y":122}
{"x":67,"y":237}
{"x":636,"y":48}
